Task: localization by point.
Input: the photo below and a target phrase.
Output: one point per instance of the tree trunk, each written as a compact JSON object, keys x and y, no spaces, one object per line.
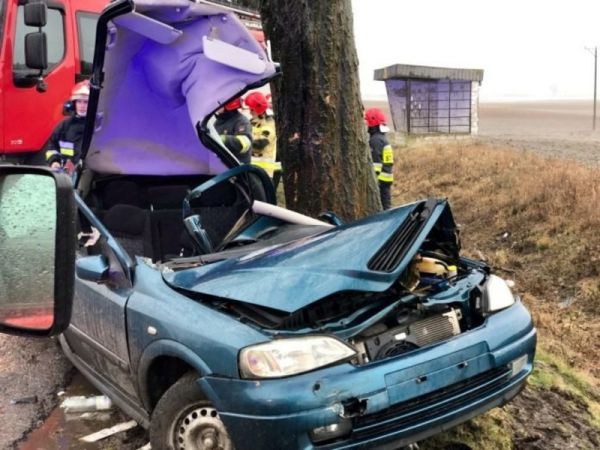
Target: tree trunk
{"x":321,"y":135}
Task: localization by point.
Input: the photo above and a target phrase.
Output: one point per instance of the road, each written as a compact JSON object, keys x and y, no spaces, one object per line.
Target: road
{"x":36,"y":374}
{"x":33,"y":370}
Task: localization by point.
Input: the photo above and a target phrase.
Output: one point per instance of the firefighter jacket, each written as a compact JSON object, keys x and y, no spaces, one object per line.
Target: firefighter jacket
{"x":382,"y":155}
{"x":264,"y":145}
{"x":236,"y":133}
{"x":65,"y":143}
{"x":264,"y":141}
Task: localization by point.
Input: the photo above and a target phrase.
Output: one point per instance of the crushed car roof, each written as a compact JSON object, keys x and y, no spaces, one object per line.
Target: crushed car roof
{"x":169,"y":64}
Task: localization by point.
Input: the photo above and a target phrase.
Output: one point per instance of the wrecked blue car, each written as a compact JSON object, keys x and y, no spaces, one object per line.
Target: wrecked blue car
{"x":219,"y":320}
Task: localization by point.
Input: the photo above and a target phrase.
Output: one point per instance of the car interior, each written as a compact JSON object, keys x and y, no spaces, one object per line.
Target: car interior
{"x":145,"y":214}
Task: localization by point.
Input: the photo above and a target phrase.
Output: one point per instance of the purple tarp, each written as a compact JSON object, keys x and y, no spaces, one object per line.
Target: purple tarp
{"x":159,"y":84}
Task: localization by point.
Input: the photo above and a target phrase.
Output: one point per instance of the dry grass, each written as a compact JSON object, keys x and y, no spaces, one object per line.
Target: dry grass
{"x":534,"y":220}
{"x":488,"y":431}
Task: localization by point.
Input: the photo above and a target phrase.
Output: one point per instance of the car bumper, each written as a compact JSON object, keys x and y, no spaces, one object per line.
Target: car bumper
{"x":392,"y":402}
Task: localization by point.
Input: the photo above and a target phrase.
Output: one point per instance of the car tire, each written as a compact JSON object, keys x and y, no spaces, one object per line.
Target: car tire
{"x":185,"y":420}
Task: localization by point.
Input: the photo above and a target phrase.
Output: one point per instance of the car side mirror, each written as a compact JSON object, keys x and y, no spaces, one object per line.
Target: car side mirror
{"x":37,"y":244}
{"x":93,"y":268}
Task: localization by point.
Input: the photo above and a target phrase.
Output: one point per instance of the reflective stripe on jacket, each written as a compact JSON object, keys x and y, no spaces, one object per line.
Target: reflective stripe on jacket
{"x":264,"y":140}
{"x":382,"y":155}
{"x":65,"y":142}
{"x":236,"y":133}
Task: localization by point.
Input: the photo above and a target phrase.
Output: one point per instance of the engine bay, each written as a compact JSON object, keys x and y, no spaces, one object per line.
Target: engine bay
{"x":415,"y":324}
{"x":413,"y":329}
{"x":431,"y":293}
{"x":417,"y":311}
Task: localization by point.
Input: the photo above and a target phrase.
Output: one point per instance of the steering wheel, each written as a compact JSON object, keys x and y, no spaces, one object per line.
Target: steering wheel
{"x":241,"y":178}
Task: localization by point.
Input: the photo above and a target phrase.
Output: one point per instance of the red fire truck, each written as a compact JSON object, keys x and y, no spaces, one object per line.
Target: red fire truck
{"x":31,"y":105}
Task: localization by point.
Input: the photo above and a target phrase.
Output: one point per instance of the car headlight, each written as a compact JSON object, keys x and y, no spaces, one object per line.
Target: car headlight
{"x":291,"y":356}
{"x":497,"y":295}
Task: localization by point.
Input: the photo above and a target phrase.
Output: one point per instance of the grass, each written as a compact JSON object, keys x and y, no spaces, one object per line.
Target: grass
{"x":484,"y":432}
{"x":536,"y":221}
{"x":553,"y":373}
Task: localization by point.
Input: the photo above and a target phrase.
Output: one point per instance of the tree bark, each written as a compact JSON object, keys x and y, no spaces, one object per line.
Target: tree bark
{"x":321,"y":135}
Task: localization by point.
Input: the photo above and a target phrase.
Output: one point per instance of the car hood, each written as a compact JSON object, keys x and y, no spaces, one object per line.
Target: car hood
{"x":161,"y":67}
{"x":348,"y":258}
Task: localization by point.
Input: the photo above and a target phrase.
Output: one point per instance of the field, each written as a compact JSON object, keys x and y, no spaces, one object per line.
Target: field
{"x":553,"y":129}
{"x":561,"y":129}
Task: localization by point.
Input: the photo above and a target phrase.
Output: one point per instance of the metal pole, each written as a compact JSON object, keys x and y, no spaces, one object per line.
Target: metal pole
{"x":595,"y":53}
{"x":409,"y":98}
{"x":595,"y":82}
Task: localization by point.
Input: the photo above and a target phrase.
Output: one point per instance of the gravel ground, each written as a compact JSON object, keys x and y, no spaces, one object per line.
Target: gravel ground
{"x":36,"y":372}
{"x":28,"y":368}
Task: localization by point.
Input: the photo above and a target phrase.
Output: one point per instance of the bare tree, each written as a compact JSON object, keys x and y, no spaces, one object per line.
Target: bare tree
{"x":321,"y":134}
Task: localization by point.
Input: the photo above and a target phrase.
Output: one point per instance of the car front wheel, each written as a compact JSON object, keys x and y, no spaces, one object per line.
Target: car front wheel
{"x":185,"y":420}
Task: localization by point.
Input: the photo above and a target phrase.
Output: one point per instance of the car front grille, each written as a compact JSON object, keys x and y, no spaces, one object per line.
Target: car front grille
{"x":429,"y":406}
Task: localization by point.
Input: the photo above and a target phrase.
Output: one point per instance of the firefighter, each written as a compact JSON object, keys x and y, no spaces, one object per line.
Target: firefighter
{"x":235,"y":130}
{"x":264,"y":139}
{"x":63,"y":150}
{"x":381,"y":153}
{"x":263,"y":128}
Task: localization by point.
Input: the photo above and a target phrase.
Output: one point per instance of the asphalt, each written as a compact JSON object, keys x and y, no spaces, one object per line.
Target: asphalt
{"x":32,"y":373}
{"x":35,"y":377}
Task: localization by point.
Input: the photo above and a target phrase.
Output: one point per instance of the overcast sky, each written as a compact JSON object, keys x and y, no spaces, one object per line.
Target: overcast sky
{"x":528,"y":49}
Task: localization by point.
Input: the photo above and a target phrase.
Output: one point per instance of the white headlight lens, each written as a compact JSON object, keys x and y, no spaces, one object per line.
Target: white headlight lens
{"x":497,"y":295}
{"x":284,"y":357}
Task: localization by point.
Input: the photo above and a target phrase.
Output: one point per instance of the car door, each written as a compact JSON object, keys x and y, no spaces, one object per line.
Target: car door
{"x":97,"y":334}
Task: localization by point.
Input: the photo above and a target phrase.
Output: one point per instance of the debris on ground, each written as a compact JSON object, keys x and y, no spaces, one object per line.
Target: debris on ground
{"x":82,"y":404}
{"x":24,"y":400}
{"x":106,"y":432}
